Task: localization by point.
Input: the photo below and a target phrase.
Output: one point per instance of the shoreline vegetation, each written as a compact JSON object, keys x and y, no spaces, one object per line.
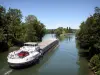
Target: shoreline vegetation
{"x":88,"y":38}
{"x":60,"y":31}
{"x":14,"y":32}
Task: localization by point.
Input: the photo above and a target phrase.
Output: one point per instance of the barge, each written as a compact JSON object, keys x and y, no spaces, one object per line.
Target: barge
{"x":30,"y":53}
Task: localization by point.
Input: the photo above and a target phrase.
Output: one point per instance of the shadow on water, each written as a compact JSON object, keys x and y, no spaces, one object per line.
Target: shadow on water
{"x":32,"y":69}
{"x":82,"y":55}
{"x":82,"y":52}
{"x":83,"y":61}
{"x":4,"y":68}
{"x":68,"y":37}
{"x":66,"y":59}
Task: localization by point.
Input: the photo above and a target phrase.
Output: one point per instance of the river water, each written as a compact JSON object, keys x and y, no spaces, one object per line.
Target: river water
{"x":63,"y":60}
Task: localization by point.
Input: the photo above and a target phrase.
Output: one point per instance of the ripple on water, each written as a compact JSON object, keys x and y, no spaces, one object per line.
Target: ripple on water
{"x":8,"y":72}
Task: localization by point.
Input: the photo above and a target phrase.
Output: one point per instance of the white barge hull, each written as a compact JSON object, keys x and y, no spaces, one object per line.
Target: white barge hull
{"x":22,"y":65}
{"x":44,"y":47}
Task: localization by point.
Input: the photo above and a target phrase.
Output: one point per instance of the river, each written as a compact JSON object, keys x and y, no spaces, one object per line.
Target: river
{"x":63,"y":60}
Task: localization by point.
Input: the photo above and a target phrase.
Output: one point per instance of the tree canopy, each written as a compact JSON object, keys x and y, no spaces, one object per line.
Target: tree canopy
{"x":89,"y":34}
{"x":13,"y":30}
{"x":89,"y":37}
{"x":61,"y":30}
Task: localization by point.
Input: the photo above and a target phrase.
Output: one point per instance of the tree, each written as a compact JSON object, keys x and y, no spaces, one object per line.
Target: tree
{"x":31,"y":33}
{"x":30,"y":18}
{"x":59,"y":31}
{"x":22,"y":30}
{"x":2,"y":37}
{"x":3,"y":42}
{"x":2,"y":22}
{"x":35,"y":30}
{"x":64,"y":31}
{"x":2,"y":16}
{"x":89,"y":37}
{"x":97,"y":10}
{"x":14,"y":32}
{"x":40,"y":30}
{"x":14,"y":20}
{"x":89,"y":34}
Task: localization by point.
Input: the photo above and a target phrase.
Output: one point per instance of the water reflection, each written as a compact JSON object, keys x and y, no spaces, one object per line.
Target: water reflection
{"x":82,"y":61}
{"x":48,"y":36}
{"x":67,"y":59}
{"x":33,"y":70}
{"x":83,"y":66}
{"x":68,"y":37}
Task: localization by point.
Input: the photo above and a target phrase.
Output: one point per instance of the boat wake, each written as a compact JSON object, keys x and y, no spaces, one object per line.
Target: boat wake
{"x":8,"y":72}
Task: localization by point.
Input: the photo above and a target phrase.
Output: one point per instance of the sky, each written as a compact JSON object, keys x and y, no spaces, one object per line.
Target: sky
{"x":55,"y":13}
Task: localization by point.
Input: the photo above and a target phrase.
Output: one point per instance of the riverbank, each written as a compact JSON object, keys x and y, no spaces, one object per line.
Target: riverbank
{"x":67,"y":52}
{"x":89,"y":38}
{"x":91,"y":73}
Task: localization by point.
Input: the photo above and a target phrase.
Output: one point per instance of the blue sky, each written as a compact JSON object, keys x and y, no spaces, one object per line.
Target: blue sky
{"x":55,"y":13}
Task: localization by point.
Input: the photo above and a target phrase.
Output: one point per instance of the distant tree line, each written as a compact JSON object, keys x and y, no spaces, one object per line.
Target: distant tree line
{"x":14,"y":32}
{"x":60,"y":30}
{"x":50,"y":31}
{"x":89,"y":38}
{"x":64,"y":31}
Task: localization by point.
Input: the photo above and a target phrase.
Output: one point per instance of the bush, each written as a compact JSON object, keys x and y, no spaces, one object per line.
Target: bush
{"x":95,"y":62}
{"x":89,"y":34}
{"x":98,"y":73}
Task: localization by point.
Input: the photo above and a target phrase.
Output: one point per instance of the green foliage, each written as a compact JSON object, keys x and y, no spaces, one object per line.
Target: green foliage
{"x":23,"y":30}
{"x":50,"y":31}
{"x":98,"y":72}
{"x":89,"y":35}
{"x":2,"y":16}
{"x":14,"y":20}
{"x":95,"y":63}
{"x":35,"y":30}
{"x":59,"y":31}
{"x":2,"y":22}
{"x":14,"y":32}
{"x":63,"y":31}
{"x":31,"y":33}
{"x":30,"y":18}
{"x":1,"y":35}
